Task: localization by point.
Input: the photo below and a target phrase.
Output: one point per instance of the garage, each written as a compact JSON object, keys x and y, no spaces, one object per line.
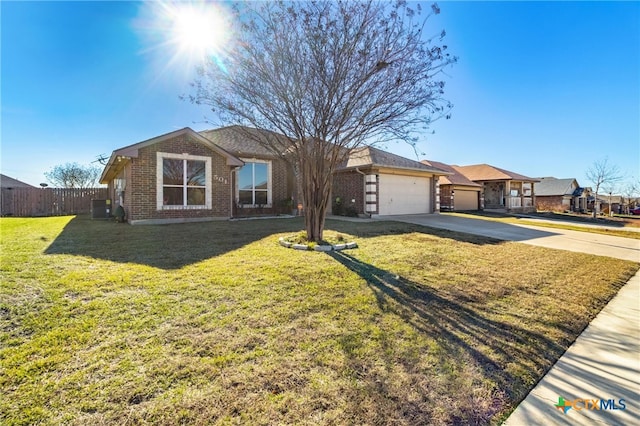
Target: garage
{"x":465,"y":200}
{"x":399,"y":194}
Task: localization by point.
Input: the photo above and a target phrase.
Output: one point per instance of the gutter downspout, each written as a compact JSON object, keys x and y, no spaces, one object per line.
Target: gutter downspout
{"x":364,"y":192}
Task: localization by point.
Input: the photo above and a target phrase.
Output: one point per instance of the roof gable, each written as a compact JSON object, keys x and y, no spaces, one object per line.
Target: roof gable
{"x":111,"y":169}
{"x":132,"y":150}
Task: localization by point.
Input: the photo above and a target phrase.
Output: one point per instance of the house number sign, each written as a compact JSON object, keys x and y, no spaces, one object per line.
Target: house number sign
{"x":220,"y":179}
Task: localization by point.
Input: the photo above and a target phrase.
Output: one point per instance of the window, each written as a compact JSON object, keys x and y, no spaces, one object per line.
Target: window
{"x":254,"y":183}
{"x":515,"y":189}
{"x":183,"y":181}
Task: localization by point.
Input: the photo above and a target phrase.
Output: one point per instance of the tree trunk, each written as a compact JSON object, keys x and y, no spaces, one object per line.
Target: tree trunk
{"x":316,"y":191}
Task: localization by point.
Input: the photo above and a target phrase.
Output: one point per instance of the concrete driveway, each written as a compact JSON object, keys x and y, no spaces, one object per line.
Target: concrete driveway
{"x":583,"y":242}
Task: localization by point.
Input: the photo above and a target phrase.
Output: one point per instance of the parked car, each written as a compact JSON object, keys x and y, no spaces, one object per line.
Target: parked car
{"x":635,"y":211}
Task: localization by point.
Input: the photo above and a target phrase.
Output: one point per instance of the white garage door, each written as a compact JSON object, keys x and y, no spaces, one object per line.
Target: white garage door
{"x":465,"y":200}
{"x":404,"y":194}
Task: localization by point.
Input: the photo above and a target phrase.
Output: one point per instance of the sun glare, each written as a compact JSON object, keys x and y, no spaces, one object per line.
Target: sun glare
{"x":183,"y":34}
{"x":198,"y":31}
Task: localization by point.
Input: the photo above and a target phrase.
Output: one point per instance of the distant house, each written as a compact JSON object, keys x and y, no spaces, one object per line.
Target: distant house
{"x":561,"y":195}
{"x":186,"y":176}
{"x":503,"y":190}
{"x":612,"y":203}
{"x":619,"y":204}
{"x":9,"y":182}
{"x":457,"y":192}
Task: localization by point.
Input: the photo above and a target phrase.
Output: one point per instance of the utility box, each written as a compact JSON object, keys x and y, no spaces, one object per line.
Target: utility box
{"x":100,"y":209}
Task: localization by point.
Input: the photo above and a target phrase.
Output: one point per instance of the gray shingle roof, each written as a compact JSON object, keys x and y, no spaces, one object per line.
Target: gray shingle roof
{"x":241,"y":141}
{"x":368,"y":156}
{"x":550,"y":186}
{"x":9,"y":182}
{"x":235,"y":140}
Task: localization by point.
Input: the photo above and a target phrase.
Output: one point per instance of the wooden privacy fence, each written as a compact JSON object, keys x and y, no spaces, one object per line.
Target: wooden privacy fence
{"x":27,"y":202}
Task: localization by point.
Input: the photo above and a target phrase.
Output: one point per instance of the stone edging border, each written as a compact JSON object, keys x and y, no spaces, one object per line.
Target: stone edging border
{"x":336,"y":247}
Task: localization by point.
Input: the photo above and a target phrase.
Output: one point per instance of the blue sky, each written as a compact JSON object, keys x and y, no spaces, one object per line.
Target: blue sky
{"x":541,"y":89}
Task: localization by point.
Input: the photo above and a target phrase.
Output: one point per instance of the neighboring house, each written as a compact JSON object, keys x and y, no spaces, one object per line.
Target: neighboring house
{"x":457,"y":192}
{"x":617,"y":203}
{"x":561,"y":195}
{"x":503,"y":190}
{"x":620,"y":204}
{"x":187,"y":176}
{"x":7,"y":184}
{"x":379,"y":183}
{"x":10,"y":183}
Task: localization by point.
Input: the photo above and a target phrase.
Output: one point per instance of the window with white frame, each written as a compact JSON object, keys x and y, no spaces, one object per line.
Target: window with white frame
{"x":183,"y":181}
{"x":254,"y":183}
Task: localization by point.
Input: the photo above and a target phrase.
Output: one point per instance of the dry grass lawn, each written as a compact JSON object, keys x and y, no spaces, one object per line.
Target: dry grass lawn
{"x":215,"y":323}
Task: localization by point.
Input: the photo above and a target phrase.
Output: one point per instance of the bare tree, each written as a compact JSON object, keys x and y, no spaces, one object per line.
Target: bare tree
{"x":631,"y":192}
{"x":74,"y":175}
{"x":603,"y":174}
{"x":329,"y":76}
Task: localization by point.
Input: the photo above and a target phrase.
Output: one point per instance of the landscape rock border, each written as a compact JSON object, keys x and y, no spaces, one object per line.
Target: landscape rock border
{"x":305,"y":247}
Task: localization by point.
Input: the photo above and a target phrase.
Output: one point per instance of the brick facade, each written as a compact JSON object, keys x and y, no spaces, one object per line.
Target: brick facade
{"x":140,"y":200}
{"x":446,"y":200}
{"x":138,"y":169}
{"x":349,"y":186}
{"x":551,"y":203}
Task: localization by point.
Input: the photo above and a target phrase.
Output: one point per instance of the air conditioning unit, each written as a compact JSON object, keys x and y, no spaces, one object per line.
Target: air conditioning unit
{"x":100,"y":209}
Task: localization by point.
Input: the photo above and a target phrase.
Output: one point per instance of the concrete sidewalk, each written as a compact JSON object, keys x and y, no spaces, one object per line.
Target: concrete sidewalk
{"x":577,"y":224}
{"x":602,"y":364}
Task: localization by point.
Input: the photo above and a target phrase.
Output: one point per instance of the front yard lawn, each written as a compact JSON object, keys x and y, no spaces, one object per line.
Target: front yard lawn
{"x":215,"y":323}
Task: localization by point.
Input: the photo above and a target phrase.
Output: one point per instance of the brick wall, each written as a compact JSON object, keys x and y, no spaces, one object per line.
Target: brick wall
{"x":446,"y":201}
{"x":349,"y":186}
{"x":550,"y":203}
{"x":140,"y":195}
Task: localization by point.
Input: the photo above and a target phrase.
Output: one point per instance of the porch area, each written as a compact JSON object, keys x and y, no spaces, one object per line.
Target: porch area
{"x":509,"y":196}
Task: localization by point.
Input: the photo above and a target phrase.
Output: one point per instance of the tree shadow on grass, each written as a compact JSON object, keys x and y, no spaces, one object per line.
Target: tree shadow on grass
{"x":177,"y":245}
{"x":464,"y":329}
{"x":163,"y":246}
